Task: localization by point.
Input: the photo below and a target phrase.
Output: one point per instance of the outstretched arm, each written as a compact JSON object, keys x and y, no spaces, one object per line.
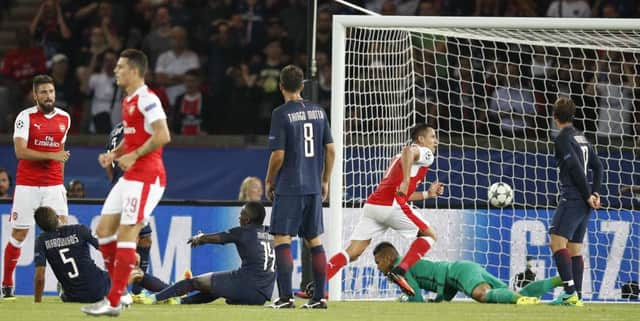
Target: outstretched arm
{"x":38,"y":283}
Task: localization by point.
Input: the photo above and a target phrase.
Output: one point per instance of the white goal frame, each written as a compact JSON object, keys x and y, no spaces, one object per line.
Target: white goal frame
{"x":342,"y":22}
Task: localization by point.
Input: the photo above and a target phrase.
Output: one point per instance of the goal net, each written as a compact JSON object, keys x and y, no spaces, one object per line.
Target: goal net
{"x":487,"y":86}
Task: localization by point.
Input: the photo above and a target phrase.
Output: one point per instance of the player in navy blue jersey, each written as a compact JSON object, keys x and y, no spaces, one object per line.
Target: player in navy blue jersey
{"x":66,"y":248}
{"x":575,"y":155}
{"x":144,"y":238}
{"x":302,"y":155}
{"x":251,"y":284}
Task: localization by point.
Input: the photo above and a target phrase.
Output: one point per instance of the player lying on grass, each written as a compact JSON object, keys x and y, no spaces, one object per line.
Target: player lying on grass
{"x":251,"y":284}
{"x":446,"y":279}
{"x":66,"y":248}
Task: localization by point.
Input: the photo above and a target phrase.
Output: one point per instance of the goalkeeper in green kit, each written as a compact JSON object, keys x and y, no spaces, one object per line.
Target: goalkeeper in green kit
{"x":446,"y":279}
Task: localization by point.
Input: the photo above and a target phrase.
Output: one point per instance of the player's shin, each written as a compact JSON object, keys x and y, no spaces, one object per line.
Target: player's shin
{"x":284,"y":269}
{"x":563,"y":263}
{"x":538,"y":288}
{"x":181,"y":288}
{"x":108,"y":248}
{"x":577,"y":266}
{"x":416,"y":251}
{"x":10,"y":260}
{"x":124,"y":263}
{"x":501,"y":295}
{"x":319,"y":265}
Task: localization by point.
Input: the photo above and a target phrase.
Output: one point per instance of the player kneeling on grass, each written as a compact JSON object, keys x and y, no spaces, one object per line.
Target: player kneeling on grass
{"x":446,"y":279}
{"x":66,"y":248}
{"x":251,"y":284}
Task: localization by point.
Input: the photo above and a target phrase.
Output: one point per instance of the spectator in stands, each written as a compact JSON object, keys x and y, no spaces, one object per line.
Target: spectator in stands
{"x":105,"y":94}
{"x":180,"y":14}
{"x":323,"y":33}
{"x":159,"y":39}
{"x":389,"y":8}
{"x":512,"y":104}
{"x":75,"y":189}
{"x":243,"y":98}
{"x":293,"y":18}
{"x":49,"y":27}
{"x":251,"y":189}
{"x":569,"y":9}
{"x":66,"y":89}
{"x":428,"y":8}
{"x":174,"y":63}
{"x":100,"y":39}
{"x":609,"y":10}
{"x":489,"y":8}
{"x":268,"y":79}
{"x":5,"y":183}
{"x":252,"y":13}
{"x":192,"y":108}
{"x":467,"y":100}
{"x":213,"y":13}
{"x":520,"y":8}
{"x":224,"y":51}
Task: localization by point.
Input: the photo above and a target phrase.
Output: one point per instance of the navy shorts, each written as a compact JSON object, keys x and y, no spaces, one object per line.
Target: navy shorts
{"x":297,"y":215}
{"x":571,"y":219}
{"x":98,"y":291}
{"x":145,"y":231}
{"x":235,"y":289}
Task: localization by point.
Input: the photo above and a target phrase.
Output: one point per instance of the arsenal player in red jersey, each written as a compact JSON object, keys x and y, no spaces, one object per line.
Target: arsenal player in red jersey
{"x":387,"y":207}
{"x":132,"y":199}
{"x":38,"y":137}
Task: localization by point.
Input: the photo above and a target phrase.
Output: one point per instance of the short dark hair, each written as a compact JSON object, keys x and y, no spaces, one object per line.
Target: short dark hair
{"x":46,"y":218}
{"x":418,"y":130}
{"x":564,"y":109}
{"x":137,"y":59}
{"x":383,"y":246}
{"x":256,"y":212}
{"x":41,"y":80}
{"x":291,"y":78}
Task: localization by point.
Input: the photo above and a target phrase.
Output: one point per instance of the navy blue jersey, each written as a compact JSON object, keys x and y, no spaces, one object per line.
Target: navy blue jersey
{"x":115,"y":138}
{"x":301,"y":129}
{"x":575,"y":155}
{"x":254,"y":245}
{"x":67,"y":251}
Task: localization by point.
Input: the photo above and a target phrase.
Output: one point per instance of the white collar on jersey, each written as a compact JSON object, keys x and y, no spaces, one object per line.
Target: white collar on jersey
{"x":136,"y":92}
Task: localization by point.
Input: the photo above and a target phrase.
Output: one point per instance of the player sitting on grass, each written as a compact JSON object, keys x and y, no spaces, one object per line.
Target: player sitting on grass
{"x":251,"y":284}
{"x":447,"y":278}
{"x":66,"y":248}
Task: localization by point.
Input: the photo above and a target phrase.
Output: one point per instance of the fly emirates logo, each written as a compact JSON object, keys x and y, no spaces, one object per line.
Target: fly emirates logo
{"x":47,"y":142}
{"x":128,"y":130}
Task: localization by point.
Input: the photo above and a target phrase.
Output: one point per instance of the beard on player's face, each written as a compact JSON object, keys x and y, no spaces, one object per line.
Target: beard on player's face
{"x":46,"y":104}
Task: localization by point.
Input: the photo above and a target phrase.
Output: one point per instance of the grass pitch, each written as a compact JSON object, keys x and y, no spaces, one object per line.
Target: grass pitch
{"x":53,"y":310}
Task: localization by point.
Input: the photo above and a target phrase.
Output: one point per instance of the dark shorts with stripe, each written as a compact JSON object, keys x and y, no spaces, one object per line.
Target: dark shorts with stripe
{"x":299,"y":215}
{"x":571,"y":219}
{"x":98,"y":290}
{"x":235,"y":289}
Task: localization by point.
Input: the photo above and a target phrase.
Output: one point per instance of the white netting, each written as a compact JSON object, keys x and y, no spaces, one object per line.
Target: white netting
{"x":489,"y":94}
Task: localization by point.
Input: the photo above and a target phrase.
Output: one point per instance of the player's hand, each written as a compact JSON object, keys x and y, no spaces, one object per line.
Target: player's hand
{"x":106,"y":159}
{"x":127,"y":160}
{"x":436,"y":189}
{"x":403,"y":188}
{"x":195,"y":240}
{"x":270,"y":190}
{"x":61,"y":156}
{"x":325,"y":191}
{"x":594,"y":201}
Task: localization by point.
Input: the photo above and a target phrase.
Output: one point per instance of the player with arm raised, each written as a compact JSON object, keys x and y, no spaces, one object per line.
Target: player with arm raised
{"x":446,"y":279}
{"x":251,"y":284}
{"x":298,"y":181}
{"x":575,"y":155}
{"x":387,"y":207}
{"x":39,"y":136}
{"x":132,"y":199}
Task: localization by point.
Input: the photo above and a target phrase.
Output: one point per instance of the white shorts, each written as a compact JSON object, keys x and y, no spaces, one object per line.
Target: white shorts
{"x":376,"y":219}
{"x":26,"y":199}
{"x":134,"y":200}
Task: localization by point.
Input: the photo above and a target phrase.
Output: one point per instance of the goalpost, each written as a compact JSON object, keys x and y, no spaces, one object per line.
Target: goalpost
{"x":487,"y":85}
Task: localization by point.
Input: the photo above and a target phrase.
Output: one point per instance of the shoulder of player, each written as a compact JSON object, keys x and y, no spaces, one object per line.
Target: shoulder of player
{"x":28,"y":111}
{"x":62,"y":112}
{"x":147,"y":98}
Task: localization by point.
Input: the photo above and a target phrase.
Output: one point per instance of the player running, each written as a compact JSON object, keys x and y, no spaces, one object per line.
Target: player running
{"x":131,"y":201}
{"x":387,"y":208}
{"x":39,"y":136}
{"x":251,"y":284}
{"x":446,"y":279}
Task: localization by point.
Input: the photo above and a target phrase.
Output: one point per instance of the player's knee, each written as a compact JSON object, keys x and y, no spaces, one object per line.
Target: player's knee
{"x":480,"y":293}
{"x":19,"y":234}
{"x":429,"y":232}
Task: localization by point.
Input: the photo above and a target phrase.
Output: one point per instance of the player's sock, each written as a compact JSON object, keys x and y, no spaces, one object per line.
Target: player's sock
{"x":284,"y":269}
{"x":198,"y":298}
{"x":416,"y":251}
{"x":538,"y":288}
{"x":124,"y":263}
{"x":319,"y":267}
{"x":143,"y":252}
{"x":152,"y":283}
{"x":11,"y":256}
{"x":577,"y":266}
{"x":563,"y":263}
{"x":108,"y":247}
{"x":179,"y":289}
{"x":502,"y":295}
{"x":336,"y":263}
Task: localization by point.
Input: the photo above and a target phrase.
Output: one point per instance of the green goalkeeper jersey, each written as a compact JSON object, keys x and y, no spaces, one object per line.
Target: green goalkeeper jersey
{"x":430,"y":276}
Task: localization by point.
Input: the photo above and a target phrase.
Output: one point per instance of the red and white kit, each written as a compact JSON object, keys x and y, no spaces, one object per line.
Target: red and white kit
{"x":140,"y":189}
{"x":40,"y":183}
{"x":384,"y":209}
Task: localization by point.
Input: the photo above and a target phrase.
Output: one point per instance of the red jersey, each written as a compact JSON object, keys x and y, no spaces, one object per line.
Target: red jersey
{"x":139,"y":110}
{"x":386,"y":191}
{"x":24,"y":63}
{"x":43,"y":133}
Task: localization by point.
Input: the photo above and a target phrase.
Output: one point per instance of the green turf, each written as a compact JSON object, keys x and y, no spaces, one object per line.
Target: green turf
{"x":24,"y":309}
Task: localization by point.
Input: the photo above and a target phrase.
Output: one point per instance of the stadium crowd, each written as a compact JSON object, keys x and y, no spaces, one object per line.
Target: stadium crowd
{"x":213,"y":60}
